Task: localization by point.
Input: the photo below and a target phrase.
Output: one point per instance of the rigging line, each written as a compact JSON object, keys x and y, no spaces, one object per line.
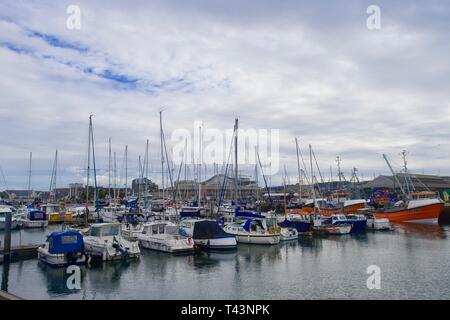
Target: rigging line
{"x":226,"y":166}
{"x":317,"y":165}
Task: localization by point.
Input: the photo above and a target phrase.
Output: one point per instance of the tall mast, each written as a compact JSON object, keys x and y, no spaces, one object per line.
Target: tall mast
{"x":141,"y":175}
{"x":312,"y":177}
{"x":394,"y":175}
{"x":109,"y":168}
{"x":162,"y":156}
{"x":52,"y":187}
{"x":236,"y":159}
{"x":88,"y":171}
{"x":299,"y":173}
{"x":115,"y":180}
{"x":200,"y":167}
{"x":338,"y":161}
{"x":284,"y":184}
{"x":256,"y":175}
{"x":126,"y":172}
{"x":29,"y":176}
{"x":146,"y":170}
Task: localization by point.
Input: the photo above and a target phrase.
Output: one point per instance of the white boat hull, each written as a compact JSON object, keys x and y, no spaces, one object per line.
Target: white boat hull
{"x":33,"y":224}
{"x":166,"y":243}
{"x":105,"y":250}
{"x":14,"y":224}
{"x":288,"y":234}
{"x":57,"y":260}
{"x":378,"y":224}
{"x":219,"y":243}
{"x":131,"y":232}
{"x":258,"y":239}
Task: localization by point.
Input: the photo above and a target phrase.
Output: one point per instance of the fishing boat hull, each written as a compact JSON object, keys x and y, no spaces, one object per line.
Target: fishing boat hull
{"x":428,"y":214}
{"x":349,"y":209}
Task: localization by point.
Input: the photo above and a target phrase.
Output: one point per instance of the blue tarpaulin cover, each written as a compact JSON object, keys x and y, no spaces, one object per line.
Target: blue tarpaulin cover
{"x":248,"y":223}
{"x":65,"y":241}
{"x":36,"y":215}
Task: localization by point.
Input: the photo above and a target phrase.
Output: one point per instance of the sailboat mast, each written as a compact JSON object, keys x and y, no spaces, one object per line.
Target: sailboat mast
{"x":88,"y":171}
{"x":299,"y":173}
{"x":126,"y":172}
{"x":284,"y":184}
{"x":236,"y":159}
{"x":115,"y":181}
{"x":29,"y":176}
{"x":146,"y":170}
{"x":162,"y":156}
{"x":109,"y":168}
{"x":312,"y":177}
{"x":200,"y":167}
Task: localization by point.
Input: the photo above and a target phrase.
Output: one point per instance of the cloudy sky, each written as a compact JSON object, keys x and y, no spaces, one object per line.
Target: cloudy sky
{"x":311,"y":69}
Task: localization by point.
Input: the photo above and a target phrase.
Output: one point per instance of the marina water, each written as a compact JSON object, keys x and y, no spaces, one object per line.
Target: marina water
{"x":414,"y":262}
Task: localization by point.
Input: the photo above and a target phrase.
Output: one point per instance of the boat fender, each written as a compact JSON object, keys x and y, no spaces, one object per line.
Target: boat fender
{"x":189,"y":240}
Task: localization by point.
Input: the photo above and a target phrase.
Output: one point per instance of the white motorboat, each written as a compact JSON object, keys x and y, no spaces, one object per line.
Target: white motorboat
{"x":374,"y":223}
{"x":105,"y":241}
{"x":111,"y":213}
{"x":3,"y":211}
{"x":207,"y":234}
{"x":164,"y":236}
{"x":131,"y":231}
{"x":254,"y":231}
{"x":33,"y":219}
{"x":287,"y":234}
{"x":62,"y":249}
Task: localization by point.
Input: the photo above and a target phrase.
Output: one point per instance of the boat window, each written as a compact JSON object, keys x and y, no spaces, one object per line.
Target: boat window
{"x":110,"y":230}
{"x":95,"y":232}
{"x":69,"y":239}
{"x":155,"y":229}
{"x":161,"y":228}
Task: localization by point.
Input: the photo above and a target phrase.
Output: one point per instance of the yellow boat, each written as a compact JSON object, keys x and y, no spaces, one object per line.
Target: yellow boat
{"x":56,"y":213}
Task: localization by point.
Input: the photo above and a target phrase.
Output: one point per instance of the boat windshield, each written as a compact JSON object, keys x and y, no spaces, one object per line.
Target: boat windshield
{"x":104,"y":231}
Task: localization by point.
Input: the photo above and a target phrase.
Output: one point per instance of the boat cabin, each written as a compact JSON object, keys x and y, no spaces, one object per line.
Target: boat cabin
{"x":51,"y":208}
{"x":105,"y":230}
{"x":423,"y":195}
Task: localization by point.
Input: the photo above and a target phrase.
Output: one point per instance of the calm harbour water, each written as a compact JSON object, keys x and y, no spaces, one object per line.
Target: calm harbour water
{"x":414,"y":262}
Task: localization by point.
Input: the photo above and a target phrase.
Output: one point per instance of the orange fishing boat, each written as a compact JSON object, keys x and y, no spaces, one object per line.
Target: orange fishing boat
{"x":349,"y":207}
{"x":424,"y":207}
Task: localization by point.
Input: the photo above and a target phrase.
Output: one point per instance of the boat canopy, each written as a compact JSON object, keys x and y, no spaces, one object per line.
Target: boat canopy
{"x":246,"y":214}
{"x":65,"y":242}
{"x":207,"y":229}
{"x":188,"y":212}
{"x":37,"y":215}
{"x":249,"y":222}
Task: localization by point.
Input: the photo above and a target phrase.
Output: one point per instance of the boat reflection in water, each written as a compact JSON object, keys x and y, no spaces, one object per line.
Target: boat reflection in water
{"x":56,"y":280}
{"x":428,"y":231}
